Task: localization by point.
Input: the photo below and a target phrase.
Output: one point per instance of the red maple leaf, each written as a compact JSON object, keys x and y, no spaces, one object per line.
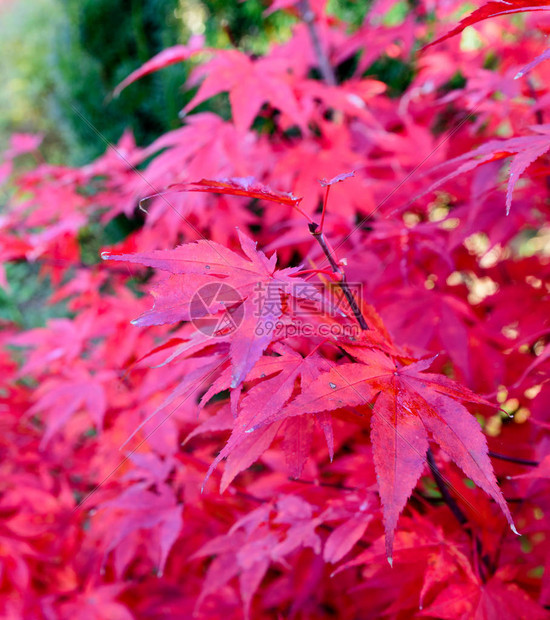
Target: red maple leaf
{"x":134,"y":511}
{"x":250,"y":84}
{"x":169,"y":56}
{"x":266,"y":399}
{"x":494,"y":9}
{"x":248,"y":187}
{"x":409,"y":407}
{"x":524,"y":149}
{"x":237,"y":313}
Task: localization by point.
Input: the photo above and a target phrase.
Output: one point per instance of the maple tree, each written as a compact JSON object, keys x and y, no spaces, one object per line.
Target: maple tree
{"x":336,"y":403}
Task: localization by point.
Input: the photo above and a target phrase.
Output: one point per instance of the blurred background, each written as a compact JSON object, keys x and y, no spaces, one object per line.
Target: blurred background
{"x":59,"y":54}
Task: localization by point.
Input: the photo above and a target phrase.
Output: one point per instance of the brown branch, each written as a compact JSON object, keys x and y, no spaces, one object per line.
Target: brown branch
{"x":322,"y":59}
{"x":314,"y":230}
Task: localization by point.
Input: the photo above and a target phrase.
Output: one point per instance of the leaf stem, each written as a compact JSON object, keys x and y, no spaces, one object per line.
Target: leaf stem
{"x":314,"y":271}
{"x":324,"y":208}
{"x":513,"y":459}
{"x":447,"y":497}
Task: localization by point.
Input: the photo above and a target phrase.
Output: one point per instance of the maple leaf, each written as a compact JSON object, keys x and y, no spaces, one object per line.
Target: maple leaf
{"x":96,"y":603}
{"x":21,"y":143}
{"x":525,"y":149}
{"x":409,"y":407}
{"x":238,"y":187}
{"x":541,"y":471}
{"x":534,"y":63}
{"x":495,"y":598}
{"x":205,"y":263}
{"x":169,"y":56}
{"x":439,"y":564}
{"x":265,"y":400}
{"x":336,"y":179}
{"x":265,"y":535}
{"x":134,"y":510}
{"x":355,"y":515}
{"x":250,"y":83}
{"x":62,"y":397}
{"x":494,"y":9}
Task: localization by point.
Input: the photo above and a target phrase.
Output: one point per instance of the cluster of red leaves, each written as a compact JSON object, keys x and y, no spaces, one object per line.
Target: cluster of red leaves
{"x":113,"y":426}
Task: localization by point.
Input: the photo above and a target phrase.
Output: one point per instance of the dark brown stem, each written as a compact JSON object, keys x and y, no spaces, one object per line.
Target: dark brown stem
{"x":447,"y":497}
{"x":313,"y":229}
{"x":328,"y":485}
{"x":322,"y":59}
{"x":485,"y":564}
{"x":513,"y":459}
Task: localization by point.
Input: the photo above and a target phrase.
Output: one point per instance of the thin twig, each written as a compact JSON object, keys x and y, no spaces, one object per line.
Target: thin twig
{"x":328,"y":485}
{"x":314,"y":230}
{"x":460,"y":517}
{"x":322,"y":59}
{"x":513,"y":459}
{"x":447,"y":497}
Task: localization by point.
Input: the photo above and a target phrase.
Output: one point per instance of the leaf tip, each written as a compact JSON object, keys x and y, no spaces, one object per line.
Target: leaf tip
{"x":235,"y":381}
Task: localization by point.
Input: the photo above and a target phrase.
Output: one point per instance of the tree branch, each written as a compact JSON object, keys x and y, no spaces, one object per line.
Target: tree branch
{"x":322,"y":59}
{"x":313,"y":229}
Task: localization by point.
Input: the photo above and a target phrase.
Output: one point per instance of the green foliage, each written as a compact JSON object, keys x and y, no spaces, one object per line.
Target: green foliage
{"x":349,"y":11}
{"x":394,"y":72}
{"x":103,"y":41}
{"x":26,"y":32}
{"x":234,"y":23}
{"x":61,"y":60}
{"x":25,"y":300}
{"x":96,"y":235}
